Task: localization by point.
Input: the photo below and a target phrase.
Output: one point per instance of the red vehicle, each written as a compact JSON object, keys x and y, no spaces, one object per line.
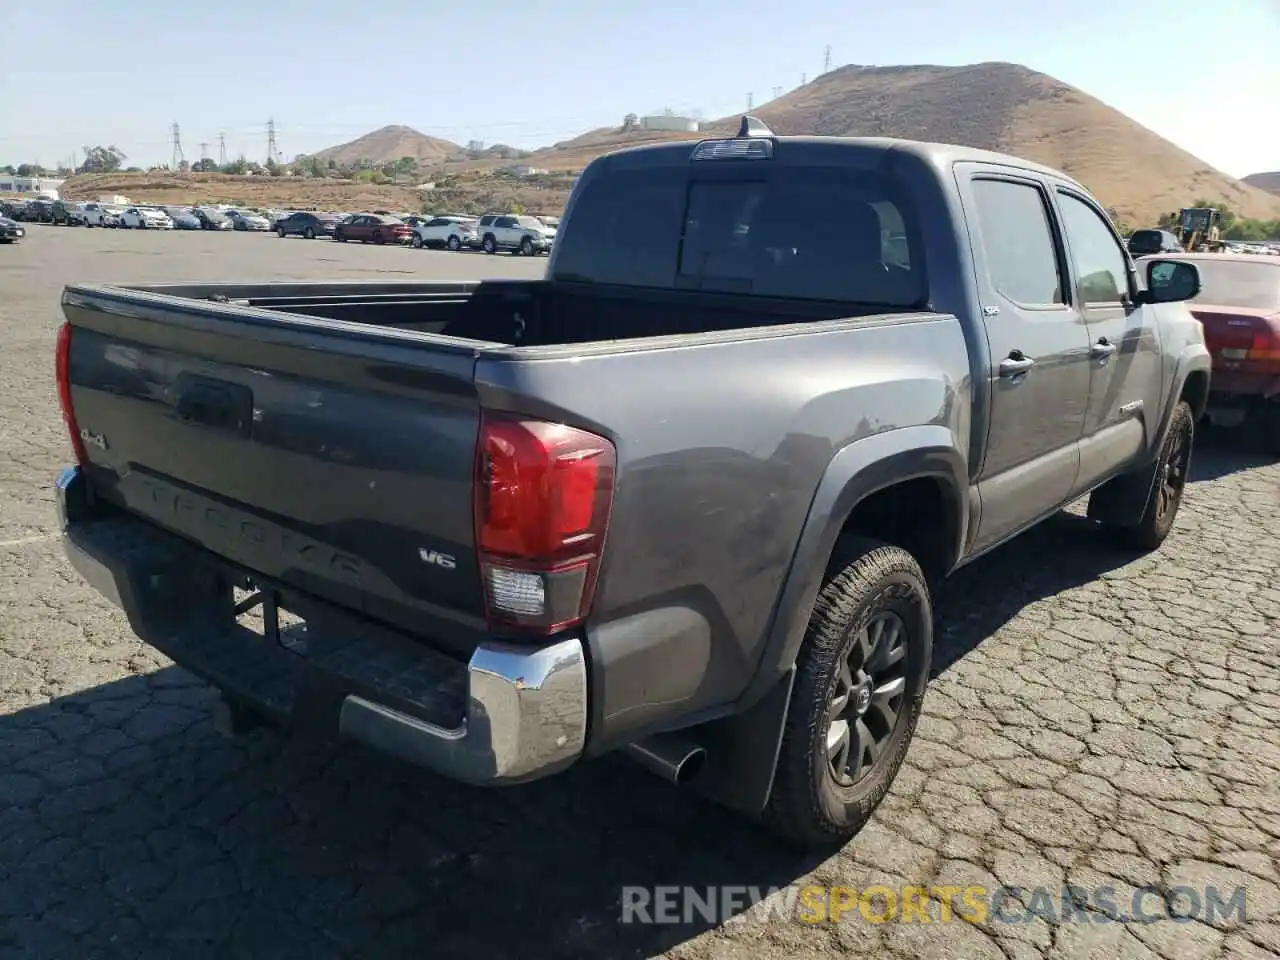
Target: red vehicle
{"x":1239,"y":307}
{"x":373,"y":228}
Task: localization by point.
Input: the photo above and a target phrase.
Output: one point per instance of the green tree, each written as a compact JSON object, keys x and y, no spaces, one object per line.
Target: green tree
{"x":204,"y":165}
{"x":31,"y":170}
{"x":236,"y":167}
{"x":102,"y":160}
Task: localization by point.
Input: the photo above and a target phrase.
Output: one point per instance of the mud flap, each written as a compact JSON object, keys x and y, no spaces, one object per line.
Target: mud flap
{"x":742,"y":752}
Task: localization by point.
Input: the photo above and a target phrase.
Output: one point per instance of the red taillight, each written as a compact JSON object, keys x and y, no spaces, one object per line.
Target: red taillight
{"x":62,"y":373}
{"x":1265,"y":346}
{"x":543,"y":493}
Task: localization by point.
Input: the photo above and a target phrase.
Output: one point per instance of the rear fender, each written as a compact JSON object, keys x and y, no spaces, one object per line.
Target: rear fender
{"x":742,"y":749}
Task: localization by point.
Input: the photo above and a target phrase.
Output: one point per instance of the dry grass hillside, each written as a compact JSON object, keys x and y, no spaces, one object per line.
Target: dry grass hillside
{"x":995,"y":106}
{"x":1269,"y":182}
{"x":389,"y":144}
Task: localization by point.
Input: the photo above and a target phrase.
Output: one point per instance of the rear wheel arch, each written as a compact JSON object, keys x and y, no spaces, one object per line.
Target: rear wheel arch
{"x":906,"y":487}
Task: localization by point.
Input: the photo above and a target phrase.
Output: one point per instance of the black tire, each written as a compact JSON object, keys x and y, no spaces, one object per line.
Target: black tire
{"x":490,"y":245}
{"x":282,"y":232}
{"x":875,"y":596}
{"x":308,"y":234}
{"x":526,"y":247}
{"x":417,"y":241}
{"x":377,"y":237}
{"x":1168,"y":477}
{"x":454,"y":244}
{"x":339,"y":236}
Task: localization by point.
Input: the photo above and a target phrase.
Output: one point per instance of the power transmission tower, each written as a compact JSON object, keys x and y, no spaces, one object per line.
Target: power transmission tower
{"x":222,"y":149}
{"x":271,"y":141}
{"x":750,"y":100}
{"x":826,"y":61}
{"x":777,"y":92}
{"x":804,"y":78}
{"x":178,"y":158}
{"x":204,"y":150}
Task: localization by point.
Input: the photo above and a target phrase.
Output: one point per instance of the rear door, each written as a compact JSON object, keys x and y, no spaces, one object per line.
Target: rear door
{"x":1039,"y":349}
{"x":1126,"y":381}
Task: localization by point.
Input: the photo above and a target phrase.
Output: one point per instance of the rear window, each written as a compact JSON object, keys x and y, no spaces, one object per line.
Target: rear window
{"x":1146,"y":241}
{"x":798,"y":233}
{"x":1239,"y":283}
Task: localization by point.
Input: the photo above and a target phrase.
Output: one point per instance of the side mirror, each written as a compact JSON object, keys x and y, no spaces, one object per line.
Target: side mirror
{"x":1171,"y":281}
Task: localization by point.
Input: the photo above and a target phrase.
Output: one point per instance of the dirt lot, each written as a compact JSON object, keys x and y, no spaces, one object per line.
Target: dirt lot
{"x":1095,"y":721}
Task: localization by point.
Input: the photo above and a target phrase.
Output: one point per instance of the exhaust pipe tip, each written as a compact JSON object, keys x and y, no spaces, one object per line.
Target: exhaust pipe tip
{"x":672,"y":758}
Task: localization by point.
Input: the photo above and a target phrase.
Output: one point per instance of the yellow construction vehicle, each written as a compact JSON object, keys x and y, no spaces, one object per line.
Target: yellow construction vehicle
{"x":1197,"y":229}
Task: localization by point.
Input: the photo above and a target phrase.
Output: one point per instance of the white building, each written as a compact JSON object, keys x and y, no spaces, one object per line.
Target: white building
{"x":668,"y":121}
{"x":524,"y":170}
{"x":42,"y":185}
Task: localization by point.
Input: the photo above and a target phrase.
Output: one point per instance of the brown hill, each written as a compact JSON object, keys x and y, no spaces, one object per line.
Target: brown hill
{"x":995,"y":106}
{"x":1269,"y":182}
{"x":389,"y":144}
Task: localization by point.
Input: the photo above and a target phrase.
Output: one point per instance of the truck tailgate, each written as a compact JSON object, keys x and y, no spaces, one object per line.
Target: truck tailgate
{"x":336,"y":461}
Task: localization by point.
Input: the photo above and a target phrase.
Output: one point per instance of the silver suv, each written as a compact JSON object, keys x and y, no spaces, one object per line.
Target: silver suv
{"x":519,"y":234}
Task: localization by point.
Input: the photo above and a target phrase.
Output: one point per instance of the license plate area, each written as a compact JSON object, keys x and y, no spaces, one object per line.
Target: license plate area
{"x":260,"y":610}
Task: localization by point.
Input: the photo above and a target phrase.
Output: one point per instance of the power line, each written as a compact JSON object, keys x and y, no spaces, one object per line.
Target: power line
{"x":178,"y":158}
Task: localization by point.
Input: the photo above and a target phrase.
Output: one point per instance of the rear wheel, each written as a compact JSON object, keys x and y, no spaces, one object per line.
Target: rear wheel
{"x":282,"y":232}
{"x":377,"y":237}
{"x":308,"y":234}
{"x":454,"y":244}
{"x":339,"y":236}
{"x":526,"y":247}
{"x":417,"y":241}
{"x":858,"y":692}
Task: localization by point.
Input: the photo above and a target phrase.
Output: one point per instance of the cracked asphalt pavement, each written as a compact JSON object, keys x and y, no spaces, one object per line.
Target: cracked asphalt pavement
{"x":1095,"y":721}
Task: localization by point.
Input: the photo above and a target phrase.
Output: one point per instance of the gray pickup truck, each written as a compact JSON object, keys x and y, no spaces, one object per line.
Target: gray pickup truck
{"x":685,"y":497}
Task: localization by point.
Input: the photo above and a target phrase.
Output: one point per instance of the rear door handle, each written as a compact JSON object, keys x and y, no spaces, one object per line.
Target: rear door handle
{"x":1103,"y":349}
{"x":1015,"y":364}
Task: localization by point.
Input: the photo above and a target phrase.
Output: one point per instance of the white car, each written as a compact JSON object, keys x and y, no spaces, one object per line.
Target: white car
{"x":102,"y":215}
{"x":145,"y":218}
{"x":453,"y":233}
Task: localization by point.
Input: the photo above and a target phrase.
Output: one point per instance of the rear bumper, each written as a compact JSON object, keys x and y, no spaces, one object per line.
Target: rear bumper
{"x":511,"y":714}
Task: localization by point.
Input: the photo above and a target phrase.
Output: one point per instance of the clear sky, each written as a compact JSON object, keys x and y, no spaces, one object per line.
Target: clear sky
{"x":74,"y":72}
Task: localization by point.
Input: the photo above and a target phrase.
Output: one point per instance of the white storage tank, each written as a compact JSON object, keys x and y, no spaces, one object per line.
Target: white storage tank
{"x":670,"y":122}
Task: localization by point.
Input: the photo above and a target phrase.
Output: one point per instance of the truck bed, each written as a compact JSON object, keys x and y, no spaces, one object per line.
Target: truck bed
{"x":537,"y":313}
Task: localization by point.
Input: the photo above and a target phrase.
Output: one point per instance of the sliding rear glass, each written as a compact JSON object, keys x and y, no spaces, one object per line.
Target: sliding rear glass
{"x":756,"y":228}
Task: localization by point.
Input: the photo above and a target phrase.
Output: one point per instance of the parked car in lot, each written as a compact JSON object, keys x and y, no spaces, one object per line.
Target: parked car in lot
{"x":246,"y":220}
{"x":38,"y":211}
{"x":373,"y":228}
{"x":729,"y":578}
{"x":453,"y":233}
{"x":102,"y":215}
{"x":11,"y":231}
{"x":183,"y":218}
{"x":1144,"y":242}
{"x":145,"y":218}
{"x":308,"y":225}
{"x":524,"y":235}
{"x":211,"y":218}
{"x":1239,"y":305}
{"x":68,"y":213}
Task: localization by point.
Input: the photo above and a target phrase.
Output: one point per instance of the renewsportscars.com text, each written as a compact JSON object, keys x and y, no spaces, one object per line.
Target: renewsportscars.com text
{"x":929,"y":904}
